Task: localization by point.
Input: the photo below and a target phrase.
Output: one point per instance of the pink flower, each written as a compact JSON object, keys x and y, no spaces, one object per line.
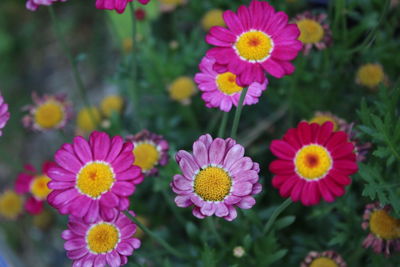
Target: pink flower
{"x":32,"y":5}
{"x":101,"y":243}
{"x":118,"y":5}
{"x":257,"y":40}
{"x":4,"y":114}
{"x":215,"y":178}
{"x":35,"y":183}
{"x":93,"y":178}
{"x":220,"y":88}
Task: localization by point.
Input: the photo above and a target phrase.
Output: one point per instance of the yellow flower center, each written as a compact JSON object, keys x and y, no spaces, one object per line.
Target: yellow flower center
{"x":182,"y":89}
{"x":321,"y":119}
{"x":102,"y":238}
{"x":213,"y":18}
{"x":88,"y":119}
{"x":383,"y":225}
{"x":323,"y":262}
{"x":95,"y":178}
{"x":49,"y":114}
{"x":10,"y":205}
{"x":312,"y":162}
{"x":227,"y":83}
{"x":212,"y":184}
{"x":146,"y":156}
{"x":254,"y":46}
{"x":110,"y":104}
{"x":39,"y":187}
{"x":370,"y":75}
{"x":311,"y":31}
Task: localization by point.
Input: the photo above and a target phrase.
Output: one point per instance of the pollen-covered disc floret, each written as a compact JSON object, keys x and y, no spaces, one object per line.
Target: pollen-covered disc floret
{"x":314,"y":31}
{"x":215,"y":178}
{"x":101,"y":243}
{"x":314,"y":162}
{"x":323,"y":259}
{"x":49,"y":112}
{"x":257,"y":40}
{"x":34,"y":184}
{"x":4,"y":114}
{"x":220,"y":89}
{"x":93,"y":178}
{"x":384,"y":229}
{"x":150,"y":151}
{"x":117,"y":5}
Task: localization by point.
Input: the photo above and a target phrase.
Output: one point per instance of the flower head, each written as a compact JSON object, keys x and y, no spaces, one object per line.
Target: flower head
{"x":314,"y":162}
{"x":118,"y":5}
{"x":150,"y":150}
{"x":34,"y":183}
{"x":10,"y":205}
{"x":313,"y":31}
{"x":182,"y":89}
{"x":322,"y":117}
{"x":33,"y":5}
{"x":384,"y":229}
{"x":49,"y":112}
{"x":170,"y":5}
{"x":257,"y":39}
{"x":215,"y":178}
{"x":111,"y":104}
{"x":239,"y":252}
{"x":100,"y":243}
{"x":323,"y":259}
{"x":213,"y":18}
{"x":370,"y":75}
{"x":93,"y":178}
{"x":220,"y":88}
{"x":88,"y":119}
{"x":4,"y":114}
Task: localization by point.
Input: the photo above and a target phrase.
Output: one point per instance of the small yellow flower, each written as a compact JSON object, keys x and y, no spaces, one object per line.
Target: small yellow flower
{"x":370,"y":75}
{"x":110,"y":104}
{"x":213,"y":18}
{"x":182,"y":89}
{"x":88,"y":119}
{"x":10,"y":205}
{"x":127,"y":45}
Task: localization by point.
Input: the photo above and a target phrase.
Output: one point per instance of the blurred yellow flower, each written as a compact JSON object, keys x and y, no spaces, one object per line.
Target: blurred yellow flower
{"x":370,"y":75}
{"x":110,"y":104}
{"x":88,"y":119}
{"x":127,"y":45}
{"x":213,"y":18}
{"x":182,"y":89}
{"x":10,"y":205}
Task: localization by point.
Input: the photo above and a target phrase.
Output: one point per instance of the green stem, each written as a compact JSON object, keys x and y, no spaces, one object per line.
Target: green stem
{"x":211,"y":224}
{"x":172,"y":207}
{"x":275,"y":215}
{"x":238,"y":113}
{"x":68,"y":53}
{"x":159,"y":240}
{"x":222,"y":128}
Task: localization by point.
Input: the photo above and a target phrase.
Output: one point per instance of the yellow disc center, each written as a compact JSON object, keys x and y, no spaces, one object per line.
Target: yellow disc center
{"x":39,"y":187}
{"x":95,"y":178}
{"x":312,"y":162}
{"x":110,"y":104}
{"x":182,"y":88}
{"x":102,"y":238}
{"x":10,"y":204}
{"x":254,"y":46}
{"x":323,"y":262}
{"x":322,"y":119}
{"x":370,"y":75}
{"x":146,"y":156}
{"x":310,"y":31}
{"x":226,"y":83}
{"x":49,"y":114}
{"x":384,"y":226}
{"x":212,"y":184}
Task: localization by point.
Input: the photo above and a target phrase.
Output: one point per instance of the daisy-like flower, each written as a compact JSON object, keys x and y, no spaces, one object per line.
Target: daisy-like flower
{"x":323,"y":259}
{"x":49,"y":112}
{"x":221,"y":90}
{"x":4,"y":114}
{"x":370,"y":75}
{"x":11,"y":205}
{"x":111,"y":104}
{"x":313,"y":31}
{"x":101,"y":243}
{"x":150,"y":150}
{"x":170,"y":5}
{"x":313,"y":162}
{"x":215,"y":178}
{"x":213,"y":18}
{"x":88,"y":119}
{"x":93,"y":178}
{"x":33,"y":5}
{"x":322,"y":117}
{"x":384,"y":235}
{"x":182,"y":89}
{"x":34,"y":183}
{"x":118,"y":5}
{"x":257,"y":39}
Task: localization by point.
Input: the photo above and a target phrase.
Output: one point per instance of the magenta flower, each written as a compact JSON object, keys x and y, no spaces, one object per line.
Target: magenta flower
{"x":4,"y":114}
{"x":93,"y":178}
{"x":32,"y":5}
{"x":101,"y":243}
{"x":34,"y":183}
{"x":257,"y":40}
{"x":216,"y":177}
{"x":118,"y":5}
{"x":220,"y":88}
